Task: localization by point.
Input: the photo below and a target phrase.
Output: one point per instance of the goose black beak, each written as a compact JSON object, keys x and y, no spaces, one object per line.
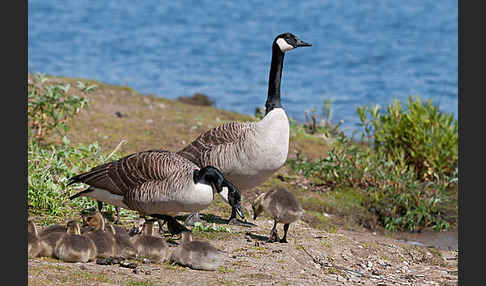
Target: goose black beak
{"x":302,"y":44}
{"x":239,"y":211}
{"x":134,"y":230}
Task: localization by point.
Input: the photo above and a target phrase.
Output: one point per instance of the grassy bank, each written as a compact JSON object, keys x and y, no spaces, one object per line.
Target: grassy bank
{"x":340,"y":182}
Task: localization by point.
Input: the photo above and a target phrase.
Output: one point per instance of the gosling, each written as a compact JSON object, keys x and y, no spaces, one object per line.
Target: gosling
{"x":123,"y":245}
{"x":33,"y":241}
{"x":48,"y":239}
{"x":196,"y":254}
{"x":103,"y":238}
{"x":282,"y":206}
{"x":149,"y":246}
{"x":74,"y":247}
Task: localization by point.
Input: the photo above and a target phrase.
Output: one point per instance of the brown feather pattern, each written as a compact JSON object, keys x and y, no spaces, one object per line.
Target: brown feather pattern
{"x":141,"y":176}
{"x":219,"y":146}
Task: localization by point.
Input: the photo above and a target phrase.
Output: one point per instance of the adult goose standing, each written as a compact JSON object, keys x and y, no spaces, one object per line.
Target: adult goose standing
{"x":248,"y":153}
{"x":157,"y":183}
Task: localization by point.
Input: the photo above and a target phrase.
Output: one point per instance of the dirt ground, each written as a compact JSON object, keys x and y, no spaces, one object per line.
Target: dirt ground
{"x":336,"y":256}
{"x":311,"y":257}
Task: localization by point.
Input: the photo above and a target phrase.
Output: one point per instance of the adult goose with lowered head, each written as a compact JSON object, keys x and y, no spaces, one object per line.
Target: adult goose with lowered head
{"x":157,"y":183}
{"x":248,"y":153}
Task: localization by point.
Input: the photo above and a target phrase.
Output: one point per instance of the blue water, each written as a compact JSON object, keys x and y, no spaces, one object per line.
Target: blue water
{"x":363,"y":52}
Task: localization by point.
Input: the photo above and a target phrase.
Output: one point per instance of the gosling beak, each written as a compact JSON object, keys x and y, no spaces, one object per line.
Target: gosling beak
{"x":239,"y":211}
{"x":302,"y":44}
{"x":254,"y":216}
{"x":134,"y":230}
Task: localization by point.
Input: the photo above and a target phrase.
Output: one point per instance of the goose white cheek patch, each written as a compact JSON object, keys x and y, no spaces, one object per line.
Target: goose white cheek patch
{"x":224,"y":194}
{"x":283,"y":45}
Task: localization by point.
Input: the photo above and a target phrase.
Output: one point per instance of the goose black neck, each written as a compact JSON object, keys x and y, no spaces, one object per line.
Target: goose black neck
{"x":273,"y":97}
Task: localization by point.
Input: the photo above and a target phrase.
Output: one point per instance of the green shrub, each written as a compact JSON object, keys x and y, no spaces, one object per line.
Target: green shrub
{"x":49,"y":169}
{"x":425,"y":138}
{"x":51,"y":106}
{"x":407,"y":187}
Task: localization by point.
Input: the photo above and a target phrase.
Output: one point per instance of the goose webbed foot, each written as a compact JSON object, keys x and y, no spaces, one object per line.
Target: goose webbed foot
{"x":234,"y":221}
{"x":173,"y":225}
{"x":117,"y":221}
{"x":192,"y":219}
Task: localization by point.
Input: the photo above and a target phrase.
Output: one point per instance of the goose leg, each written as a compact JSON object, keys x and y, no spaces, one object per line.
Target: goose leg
{"x":192,"y":219}
{"x":273,"y":233}
{"x":117,"y":221}
{"x":161,"y":224}
{"x":286,"y":228}
{"x":117,"y":209}
{"x":100,"y":206}
{"x":172,"y":224}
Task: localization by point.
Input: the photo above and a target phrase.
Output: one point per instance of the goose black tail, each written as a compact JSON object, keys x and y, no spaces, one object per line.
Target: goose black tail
{"x":81,"y":193}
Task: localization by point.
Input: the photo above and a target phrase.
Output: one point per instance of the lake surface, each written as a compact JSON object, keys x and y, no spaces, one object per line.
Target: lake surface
{"x":363,"y":52}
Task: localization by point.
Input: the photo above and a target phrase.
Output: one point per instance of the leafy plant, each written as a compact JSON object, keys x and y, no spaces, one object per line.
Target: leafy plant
{"x":422,"y":136}
{"x":49,"y":169}
{"x":199,"y":227}
{"x":403,"y":196}
{"x":50,"y":107}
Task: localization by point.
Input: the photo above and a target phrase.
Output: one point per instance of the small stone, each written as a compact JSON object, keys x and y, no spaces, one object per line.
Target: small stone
{"x":149,"y":121}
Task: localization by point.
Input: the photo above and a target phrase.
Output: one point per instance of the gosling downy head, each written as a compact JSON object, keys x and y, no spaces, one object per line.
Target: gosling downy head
{"x":288,"y":41}
{"x":257,"y":206}
{"x":103,"y":239}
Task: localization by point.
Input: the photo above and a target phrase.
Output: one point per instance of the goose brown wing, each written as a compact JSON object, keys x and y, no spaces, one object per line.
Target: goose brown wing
{"x":228,"y":134}
{"x":118,"y":177}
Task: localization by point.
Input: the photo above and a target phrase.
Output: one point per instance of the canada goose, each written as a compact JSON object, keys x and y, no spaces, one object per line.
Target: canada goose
{"x":33,"y":241}
{"x":248,"y":153}
{"x":103,"y":238}
{"x":282,"y":206}
{"x":157,"y":183}
{"x":74,"y":247}
{"x":123,"y":245}
{"x":196,"y":254}
{"x":149,"y":246}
